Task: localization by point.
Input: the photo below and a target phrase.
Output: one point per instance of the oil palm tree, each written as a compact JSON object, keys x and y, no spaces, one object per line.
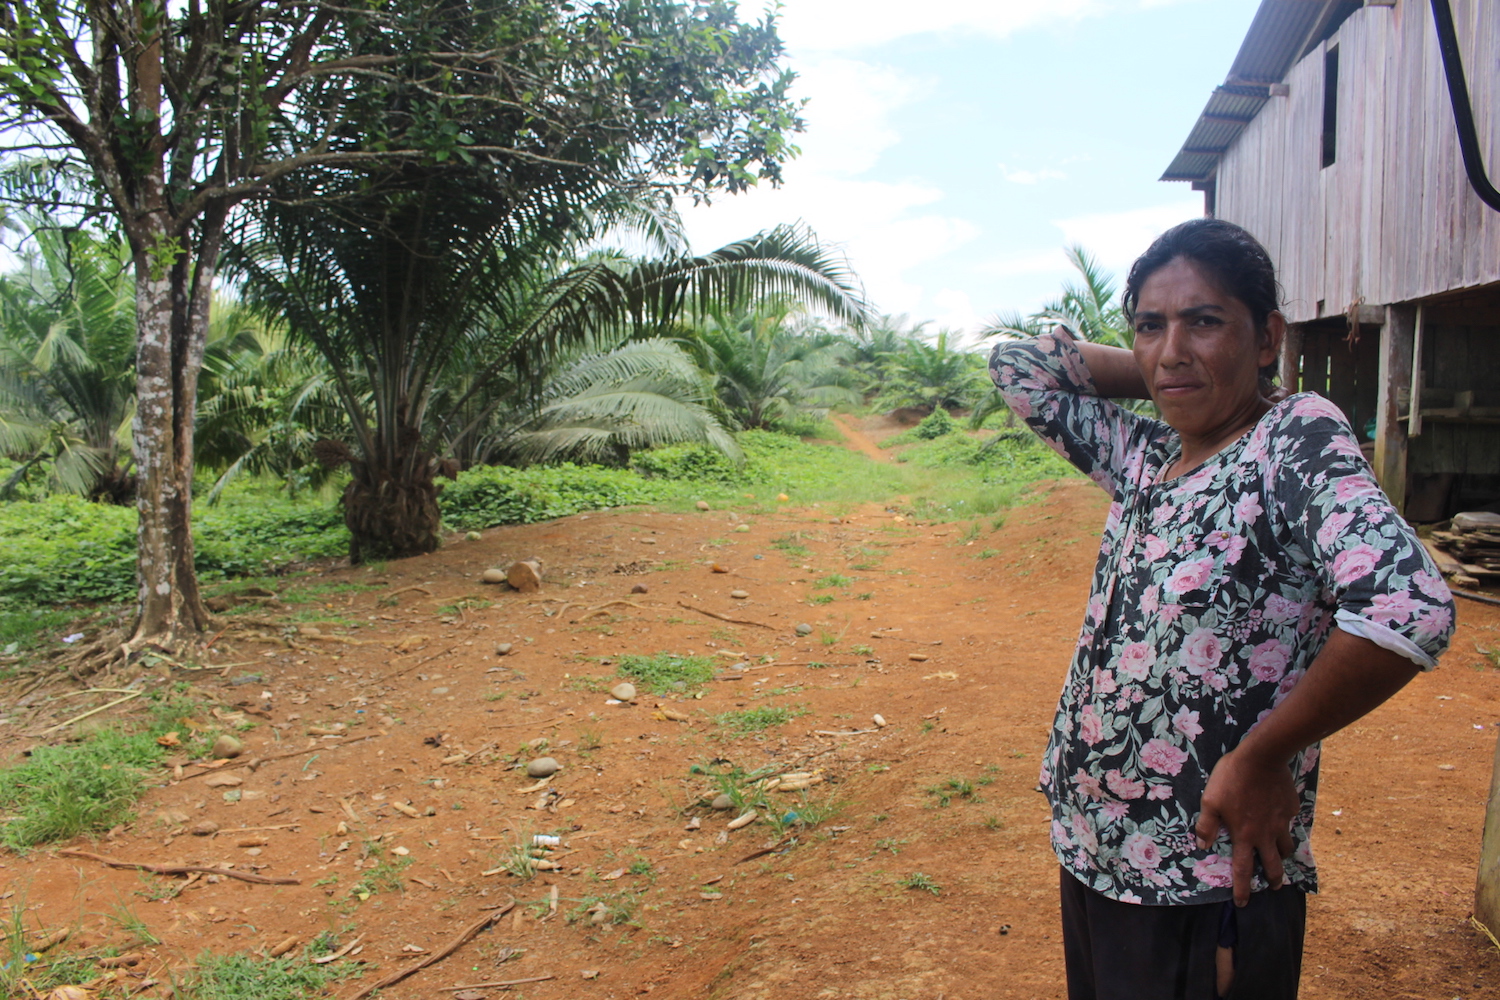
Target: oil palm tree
{"x":67,"y":348}
{"x":769,"y":360}
{"x":931,"y":374}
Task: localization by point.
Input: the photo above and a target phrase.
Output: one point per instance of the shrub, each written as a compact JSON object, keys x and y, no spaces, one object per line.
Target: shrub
{"x":492,"y":495}
{"x":934,"y":425}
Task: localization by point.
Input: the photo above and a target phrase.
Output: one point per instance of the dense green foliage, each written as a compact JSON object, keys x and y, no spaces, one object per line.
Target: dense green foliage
{"x":72,"y":788}
{"x":493,"y":495}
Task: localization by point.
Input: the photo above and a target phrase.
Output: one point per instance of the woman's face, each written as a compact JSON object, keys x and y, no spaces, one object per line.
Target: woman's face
{"x":1199,"y":351}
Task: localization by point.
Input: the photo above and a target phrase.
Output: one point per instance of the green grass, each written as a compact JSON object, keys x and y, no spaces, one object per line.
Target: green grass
{"x":61,"y":791}
{"x":665,"y":673}
{"x":754,"y":720}
{"x":832,"y":580}
{"x":249,"y":977}
{"x":921,"y":882}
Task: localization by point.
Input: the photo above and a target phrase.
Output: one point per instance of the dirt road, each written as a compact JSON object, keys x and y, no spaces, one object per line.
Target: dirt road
{"x":928,"y":874}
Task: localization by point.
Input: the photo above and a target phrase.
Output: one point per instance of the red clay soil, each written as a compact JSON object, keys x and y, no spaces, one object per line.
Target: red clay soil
{"x":959,"y":643}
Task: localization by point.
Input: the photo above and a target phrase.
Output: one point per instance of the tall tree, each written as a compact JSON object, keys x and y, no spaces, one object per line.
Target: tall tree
{"x":178,"y":113}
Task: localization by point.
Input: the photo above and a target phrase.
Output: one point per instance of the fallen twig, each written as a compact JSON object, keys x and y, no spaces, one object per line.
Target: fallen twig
{"x":852,"y":732}
{"x":463,"y":938}
{"x":917,"y":642}
{"x":180,"y":869}
{"x":412,"y":666}
{"x":725,"y":618}
{"x":334,"y":956}
{"x":461,"y":757}
{"x":784,"y":841}
{"x":92,"y":711}
{"x":512,"y":725}
{"x":259,"y":829}
{"x":494,"y":986}
{"x":259,"y":761}
{"x":411,"y":586}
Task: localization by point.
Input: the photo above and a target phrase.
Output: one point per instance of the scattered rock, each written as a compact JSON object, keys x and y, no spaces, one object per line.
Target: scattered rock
{"x":542,"y":767}
{"x":702,"y":505}
{"x":525,"y":575}
{"x":493,"y":575}
{"x":739,"y":595}
{"x":745,"y":819}
{"x":473,"y":536}
{"x":503,"y":648}
{"x":223,"y":781}
{"x":255,"y":840}
{"x":228,"y":746}
{"x":283,"y":946}
{"x":207,"y":828}
{"x":640,"y":588}
{"x":624,"y":691}
{"x":917,"y":657}
{"x":469,"y":995}
{"x":879,"y":720}
{"x":742,"y":528}
{"x":806,"y":629}
{"x":648,"y":541}
{"x":590,"y":973}
{"x":173,"y":817}
{"x":723,"y":801}
{"x":693,"y":823}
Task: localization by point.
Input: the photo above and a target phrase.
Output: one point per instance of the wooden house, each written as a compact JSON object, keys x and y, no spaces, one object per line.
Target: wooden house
{"x":1353,"y":139}
{"x":1336,"y":142}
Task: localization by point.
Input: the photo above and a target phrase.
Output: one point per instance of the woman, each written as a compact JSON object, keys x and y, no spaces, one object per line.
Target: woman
{"x":1255,"y":592}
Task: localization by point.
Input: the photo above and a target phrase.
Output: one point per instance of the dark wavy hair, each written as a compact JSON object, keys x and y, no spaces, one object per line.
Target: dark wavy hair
{"x":1226,"y":254}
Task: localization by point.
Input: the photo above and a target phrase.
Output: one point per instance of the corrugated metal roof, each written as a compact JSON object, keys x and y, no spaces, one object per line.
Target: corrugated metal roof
{"x":1281,"y":33}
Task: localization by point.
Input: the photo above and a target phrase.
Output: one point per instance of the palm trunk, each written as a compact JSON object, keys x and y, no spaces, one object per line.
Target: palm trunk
{"x":391,"y":508}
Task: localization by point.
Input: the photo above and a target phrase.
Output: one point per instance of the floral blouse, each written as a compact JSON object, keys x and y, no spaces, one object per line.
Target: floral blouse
{"x":1212,"y":594}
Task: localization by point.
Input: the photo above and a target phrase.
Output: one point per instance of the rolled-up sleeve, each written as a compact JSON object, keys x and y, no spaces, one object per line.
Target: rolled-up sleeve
{"x":1046,"y":383}
{"x":1386,"y":587}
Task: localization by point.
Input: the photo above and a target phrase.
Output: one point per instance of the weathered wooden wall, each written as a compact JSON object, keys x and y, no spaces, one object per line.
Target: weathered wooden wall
{"x":1393,"y":218}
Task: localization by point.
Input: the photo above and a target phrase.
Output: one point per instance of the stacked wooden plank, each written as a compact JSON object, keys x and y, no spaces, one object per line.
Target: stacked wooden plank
{"x":1473,"y":539}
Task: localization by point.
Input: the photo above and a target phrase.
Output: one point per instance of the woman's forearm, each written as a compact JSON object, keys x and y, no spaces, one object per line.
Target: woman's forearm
{"x":1115,"y":373}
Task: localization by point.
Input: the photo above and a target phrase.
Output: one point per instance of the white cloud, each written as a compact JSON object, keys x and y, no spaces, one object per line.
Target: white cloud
{"x":885,"y":226}
{"x":1017,"y":176}
{"x":1118,"y":238}
{"x":842,"y":25}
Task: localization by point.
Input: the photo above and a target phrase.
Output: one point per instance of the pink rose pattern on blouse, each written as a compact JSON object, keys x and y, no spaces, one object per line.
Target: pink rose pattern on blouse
{"x":1212,"y":594}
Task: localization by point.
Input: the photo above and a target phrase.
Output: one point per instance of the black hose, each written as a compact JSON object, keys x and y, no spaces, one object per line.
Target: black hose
{"x":1463,"y":112}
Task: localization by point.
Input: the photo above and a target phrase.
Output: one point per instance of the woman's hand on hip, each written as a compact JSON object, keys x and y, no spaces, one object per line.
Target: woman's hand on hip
{"x":1255,"y":800}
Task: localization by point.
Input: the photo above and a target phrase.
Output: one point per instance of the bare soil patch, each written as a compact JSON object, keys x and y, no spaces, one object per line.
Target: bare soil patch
{"x":838,"y":911}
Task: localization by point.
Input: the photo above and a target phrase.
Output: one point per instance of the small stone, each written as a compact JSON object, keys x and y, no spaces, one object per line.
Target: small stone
{"x":223,"y":781}
{"x":640,"y":588}
{"x":702,"y":505}
{"x":648,"y":541}
{"x":401,"y":852}
{"x":804,"y":629}
{"x":879,"y":720}
{"x":723,"y":801}
{"x":917,"y":657}
{"x":493,"y":575}
{"x":174,"y":817}
{"x":739,"y":595}
{"x":542,"y":767}
{"x":590,"y":973}
{"x":624,"y":691}
{"x":473,"y":536}
{"x":503,"y":648}
{"x":207,"y":828}
{"x":254,"y":852}
{"x":228,"y":746}
{"x":743,"y":528}
{"x":440,"y":690}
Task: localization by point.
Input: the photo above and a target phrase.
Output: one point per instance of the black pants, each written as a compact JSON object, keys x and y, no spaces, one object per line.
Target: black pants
{"x":1123,"y":951}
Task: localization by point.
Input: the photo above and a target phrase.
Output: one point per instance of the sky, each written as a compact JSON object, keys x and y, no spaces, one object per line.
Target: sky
{"x":955,"y":147}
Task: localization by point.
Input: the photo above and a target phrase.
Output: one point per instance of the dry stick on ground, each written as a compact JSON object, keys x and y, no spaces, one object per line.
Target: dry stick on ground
{"x":919,"y":642}
{"x":411,"y":586}
{"x":259,"y":761}
{"x":392,"y":676}
{"x":463,"y":938}
{"x":490,"y":986}
{"x":725,"y":618}
{"x":512,"y":725}
{"x":92,"y":711}
{"x":180,"y":869}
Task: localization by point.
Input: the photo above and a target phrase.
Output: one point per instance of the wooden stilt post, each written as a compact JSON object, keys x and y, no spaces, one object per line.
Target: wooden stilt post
{"x":1487,"y":879}
{"x":1396,"y":339}
{"x":1291,"y":358}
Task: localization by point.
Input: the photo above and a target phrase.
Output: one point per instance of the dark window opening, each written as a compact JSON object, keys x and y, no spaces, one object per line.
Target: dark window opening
{"x":1330,"y":105}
